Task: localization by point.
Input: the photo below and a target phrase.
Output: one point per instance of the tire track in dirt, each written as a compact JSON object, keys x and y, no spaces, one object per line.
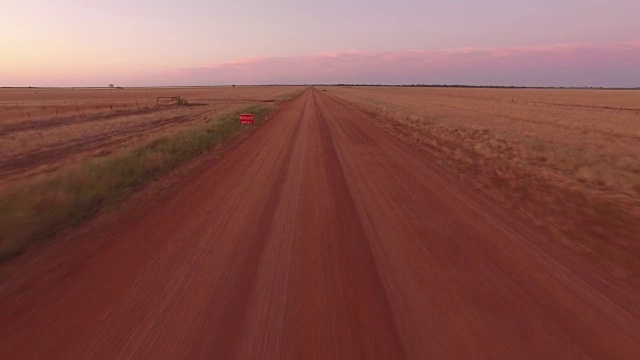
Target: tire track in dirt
{"x":43,"y":124}
{"x":79,"y":147}
{"x":234,"y":311}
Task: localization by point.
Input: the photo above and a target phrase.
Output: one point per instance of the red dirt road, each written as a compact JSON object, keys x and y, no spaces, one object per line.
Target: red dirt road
{"x":319,"y":236}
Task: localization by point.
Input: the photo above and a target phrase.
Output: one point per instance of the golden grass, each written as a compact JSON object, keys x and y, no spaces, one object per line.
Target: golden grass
{"x":47,"y":141}
{"x":567,"y":159}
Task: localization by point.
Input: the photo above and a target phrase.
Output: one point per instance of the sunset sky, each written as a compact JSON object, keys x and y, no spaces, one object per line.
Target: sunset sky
{"x":189,"y":42}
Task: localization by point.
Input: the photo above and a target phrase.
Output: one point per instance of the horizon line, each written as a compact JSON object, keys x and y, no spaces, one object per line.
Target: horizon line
{"x":336,"y":84}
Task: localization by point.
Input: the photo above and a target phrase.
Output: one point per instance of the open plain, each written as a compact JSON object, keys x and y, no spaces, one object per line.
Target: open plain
{"x":362,"y":223}
{"x":567,"y":160}
{"x":42,"y":130}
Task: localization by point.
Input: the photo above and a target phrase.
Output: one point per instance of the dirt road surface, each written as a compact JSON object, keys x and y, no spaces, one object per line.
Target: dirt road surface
{"x":319,"y":236}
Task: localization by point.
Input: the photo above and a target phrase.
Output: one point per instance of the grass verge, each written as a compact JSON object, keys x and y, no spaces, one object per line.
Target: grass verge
{"x":34,"y":211}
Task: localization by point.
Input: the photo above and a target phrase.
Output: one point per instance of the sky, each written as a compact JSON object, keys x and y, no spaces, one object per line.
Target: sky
{"x":214,"y":42}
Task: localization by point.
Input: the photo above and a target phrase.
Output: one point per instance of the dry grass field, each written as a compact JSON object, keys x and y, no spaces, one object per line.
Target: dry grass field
{"x":47,"y":129}
{"x":567,"y":159}
{"x":59,"y":166}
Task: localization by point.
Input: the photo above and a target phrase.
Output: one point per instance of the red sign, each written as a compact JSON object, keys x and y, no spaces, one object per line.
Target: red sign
{"x":246,"y":119}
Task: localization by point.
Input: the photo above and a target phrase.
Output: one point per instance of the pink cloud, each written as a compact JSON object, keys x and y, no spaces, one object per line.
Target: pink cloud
{"x":614,"y":65}
{"x":551,"y":65}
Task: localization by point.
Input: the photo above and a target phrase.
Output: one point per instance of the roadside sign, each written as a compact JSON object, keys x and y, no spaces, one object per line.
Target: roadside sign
{"x":246,"y":119}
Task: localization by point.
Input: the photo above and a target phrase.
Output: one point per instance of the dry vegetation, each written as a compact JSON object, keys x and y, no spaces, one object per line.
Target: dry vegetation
{"x":59,"y":171}
{"x":47,"y":129}
{"x":567,"y":159}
